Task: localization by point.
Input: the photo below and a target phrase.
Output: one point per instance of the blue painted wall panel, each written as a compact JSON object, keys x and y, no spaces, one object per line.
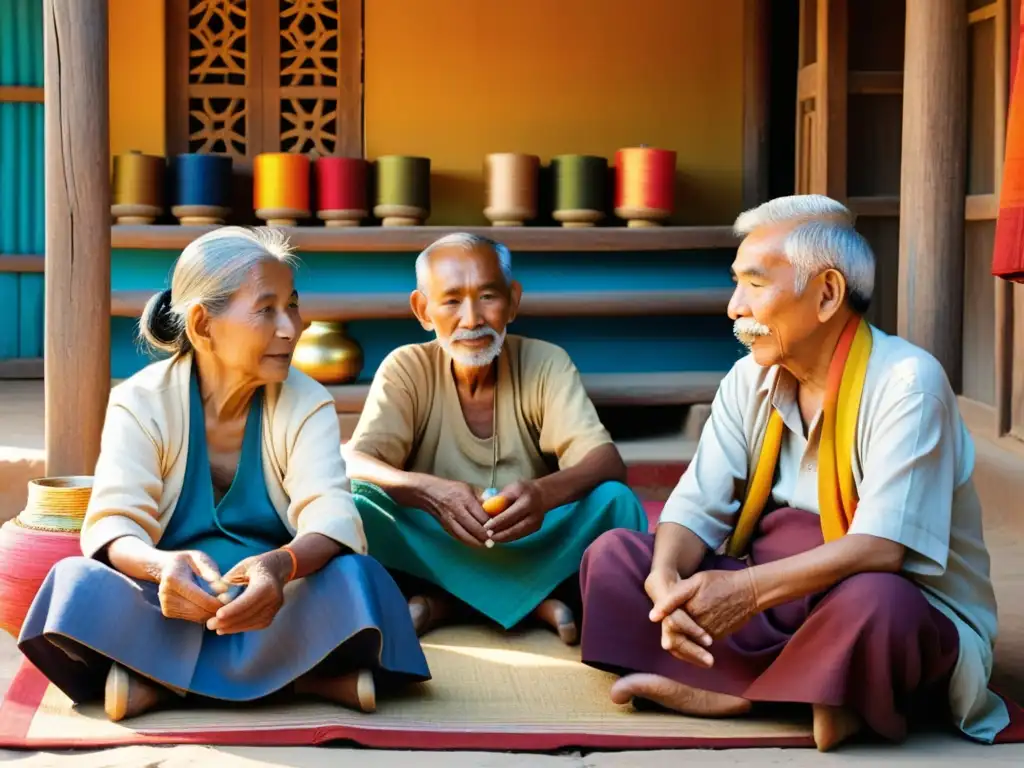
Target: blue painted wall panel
{"x":386,"y":272}
{"x":21,"y":178}
{"x":598,"y":345}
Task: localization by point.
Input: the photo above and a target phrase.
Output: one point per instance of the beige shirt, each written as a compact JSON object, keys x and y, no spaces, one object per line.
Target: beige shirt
{"x":413,"y":420}
{"x":913,"y":463}
{"x":144,"y":450}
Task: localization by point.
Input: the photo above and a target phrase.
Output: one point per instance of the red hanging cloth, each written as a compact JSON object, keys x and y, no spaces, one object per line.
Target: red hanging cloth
{"x":1008,"y":254}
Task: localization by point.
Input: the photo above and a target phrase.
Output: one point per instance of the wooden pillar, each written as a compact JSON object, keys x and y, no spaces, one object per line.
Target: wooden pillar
{"x":933,"y":179}
{"x":77,"y":353}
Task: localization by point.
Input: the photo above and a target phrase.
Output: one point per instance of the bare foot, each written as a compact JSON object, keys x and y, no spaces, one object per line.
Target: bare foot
{"x":127,"y":695}
{"x":429,"y":612}
{"x":558,"y":616}
{"x":834,"y":725}
{"x":678,"y":697}
{"x":355,"y":690}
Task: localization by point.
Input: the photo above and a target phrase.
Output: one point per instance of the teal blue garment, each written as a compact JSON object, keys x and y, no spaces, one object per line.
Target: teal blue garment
{"x":507,"y":581}
{"x":244,"y":522}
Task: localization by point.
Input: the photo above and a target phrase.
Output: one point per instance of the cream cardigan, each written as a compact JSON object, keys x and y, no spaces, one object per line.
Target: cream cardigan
{"x":144,"y":448}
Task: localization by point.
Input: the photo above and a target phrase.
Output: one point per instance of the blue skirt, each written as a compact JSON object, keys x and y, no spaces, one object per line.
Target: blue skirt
{"x":349,"y":615}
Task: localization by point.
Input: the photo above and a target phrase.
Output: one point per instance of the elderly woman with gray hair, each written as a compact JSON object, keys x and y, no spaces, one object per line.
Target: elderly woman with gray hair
{"x":224,"y":557}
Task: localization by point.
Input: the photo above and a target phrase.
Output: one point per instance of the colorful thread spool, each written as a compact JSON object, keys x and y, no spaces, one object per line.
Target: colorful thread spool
{"x":46,"y":531}
{"x":581,"y":184}
{"x":511,"y":188}
{"x":403,"y":190}
{"x":138,"y":188}
{"x":341,"y":191}
{"x":281,"y":188}
{"x":201,"y":189}
{"x":644,"y":185}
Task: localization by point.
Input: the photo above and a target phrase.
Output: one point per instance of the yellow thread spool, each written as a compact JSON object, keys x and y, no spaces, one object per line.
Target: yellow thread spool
{"x":281,"y":188}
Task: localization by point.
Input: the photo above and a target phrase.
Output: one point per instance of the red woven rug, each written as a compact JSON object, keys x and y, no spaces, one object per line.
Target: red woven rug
{"x":522,"y":691}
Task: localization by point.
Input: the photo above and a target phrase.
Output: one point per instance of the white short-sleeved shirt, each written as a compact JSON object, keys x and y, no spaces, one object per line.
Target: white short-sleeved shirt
{"x":912,"y":467}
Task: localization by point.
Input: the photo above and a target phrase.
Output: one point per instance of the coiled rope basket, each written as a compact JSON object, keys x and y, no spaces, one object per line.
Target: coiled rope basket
{"x":43,"y":533}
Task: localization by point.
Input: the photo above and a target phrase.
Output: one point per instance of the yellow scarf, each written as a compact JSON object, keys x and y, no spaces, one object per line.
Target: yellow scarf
{"x":837,"y":496}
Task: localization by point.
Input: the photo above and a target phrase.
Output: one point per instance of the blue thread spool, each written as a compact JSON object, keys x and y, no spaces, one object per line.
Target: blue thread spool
{"x":201,"y":189}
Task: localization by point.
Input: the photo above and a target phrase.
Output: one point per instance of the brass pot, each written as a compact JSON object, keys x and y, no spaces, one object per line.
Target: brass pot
{"x":327,"y":354}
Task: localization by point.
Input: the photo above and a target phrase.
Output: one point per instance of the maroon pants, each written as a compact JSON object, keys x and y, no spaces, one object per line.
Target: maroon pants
{"x":871,"y":643}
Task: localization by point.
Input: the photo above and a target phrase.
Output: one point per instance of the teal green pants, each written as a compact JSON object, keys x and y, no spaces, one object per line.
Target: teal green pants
{"x":507,"y":581}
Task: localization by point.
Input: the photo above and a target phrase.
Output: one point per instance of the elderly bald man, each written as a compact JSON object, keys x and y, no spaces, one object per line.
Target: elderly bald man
{"x":478,"y":413}
{"x":825,"y":545}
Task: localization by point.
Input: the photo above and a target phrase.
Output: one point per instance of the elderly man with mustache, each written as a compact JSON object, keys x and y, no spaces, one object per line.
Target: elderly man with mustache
{"x":825,"y":545}
{"x":480,"y":467}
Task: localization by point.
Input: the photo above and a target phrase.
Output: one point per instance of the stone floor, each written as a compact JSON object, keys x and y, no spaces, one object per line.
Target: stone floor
{"x":1000,"y":478}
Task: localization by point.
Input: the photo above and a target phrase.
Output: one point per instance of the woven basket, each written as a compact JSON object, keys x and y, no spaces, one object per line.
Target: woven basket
{"x":45,"y":532}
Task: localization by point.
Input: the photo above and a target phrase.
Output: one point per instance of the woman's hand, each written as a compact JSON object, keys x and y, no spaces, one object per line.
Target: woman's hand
{"x":180,"y":596}
{"x":263,"y":577}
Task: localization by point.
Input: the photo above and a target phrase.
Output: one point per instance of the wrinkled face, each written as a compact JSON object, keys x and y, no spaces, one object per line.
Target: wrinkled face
{"x":466,"y":302}
{"x":771,"y":318}
{"x":256,"y":335}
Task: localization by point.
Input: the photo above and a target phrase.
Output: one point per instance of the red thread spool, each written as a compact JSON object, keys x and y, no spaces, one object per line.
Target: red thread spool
{"x":644,"y":185}
{"x":342,"y":197}
{"x":26,"y":556}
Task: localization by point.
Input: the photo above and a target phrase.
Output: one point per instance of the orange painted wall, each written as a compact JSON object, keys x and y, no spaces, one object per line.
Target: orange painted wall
{"x":136,"y":76}
{"x":456,"y":79}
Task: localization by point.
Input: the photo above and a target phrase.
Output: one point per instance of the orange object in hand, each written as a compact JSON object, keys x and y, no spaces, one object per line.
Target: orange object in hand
{"x":495,"y":505}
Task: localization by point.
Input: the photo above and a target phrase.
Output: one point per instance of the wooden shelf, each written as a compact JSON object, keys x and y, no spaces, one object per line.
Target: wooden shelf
{"x":21,"y":368}
{"x":342,"y":307}
{"x":865,"y":83}
{"x":317,"y":238}
{"x":24,"y":94}
{"x":872,"y":206}
{"x":981,"y":207}
{"x":604,"y":389}
{"x":21,"y":263}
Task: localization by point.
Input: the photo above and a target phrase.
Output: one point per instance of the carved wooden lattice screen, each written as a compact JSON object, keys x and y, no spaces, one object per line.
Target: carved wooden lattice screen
{"x":252,"y":76}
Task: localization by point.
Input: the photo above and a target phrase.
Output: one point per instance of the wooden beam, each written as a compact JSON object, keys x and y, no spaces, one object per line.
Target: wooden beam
{"x":981,"y":207}
{"x":343,"y":307}
{"x":21,"y":368}
{"x":830,"y":145}
{"x":807,"y":82}
{"x":984,"y":13}
{"x":350,"y":79}
{"x":21,"y":93}
{"x":412,"y":239}
{"x":756,"y":29}
{"x":933,"y":180}
{"x":1003,"y":352}
{"x":77,"y":152}
{"x":674,"y":388}
{"x":865,"y":83}
{"x":22,"y":263}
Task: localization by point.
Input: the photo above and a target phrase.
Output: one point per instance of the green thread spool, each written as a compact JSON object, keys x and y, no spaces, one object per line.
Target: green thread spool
{"x":403,"y":190}
{"x":580,"y":188}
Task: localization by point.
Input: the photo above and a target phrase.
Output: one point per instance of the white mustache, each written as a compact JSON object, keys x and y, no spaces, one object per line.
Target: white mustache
{"x":464,"y":334}
{"x":746,"y":329}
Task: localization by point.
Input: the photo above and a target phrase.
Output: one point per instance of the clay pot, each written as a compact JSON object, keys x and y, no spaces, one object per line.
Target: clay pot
{"x":327,"y":354}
